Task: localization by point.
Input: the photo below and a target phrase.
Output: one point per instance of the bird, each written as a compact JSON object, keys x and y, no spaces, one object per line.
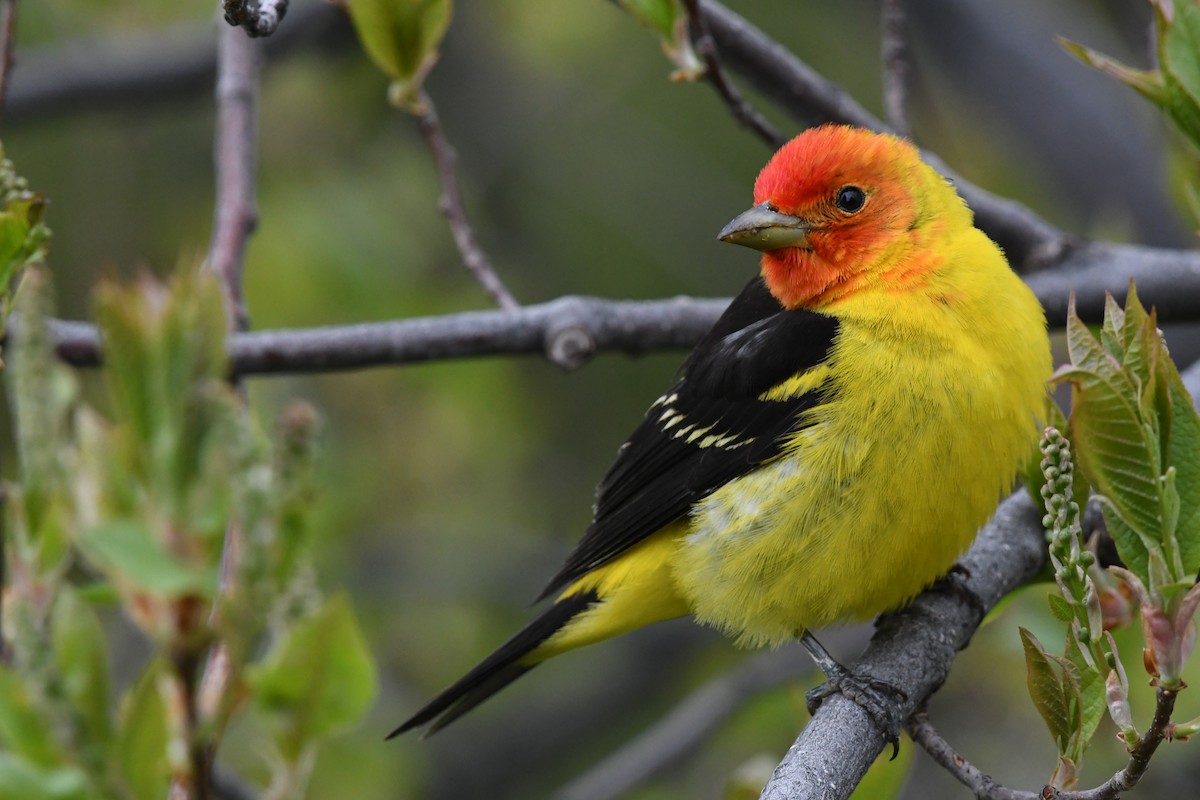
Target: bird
{"x":832,"y":445}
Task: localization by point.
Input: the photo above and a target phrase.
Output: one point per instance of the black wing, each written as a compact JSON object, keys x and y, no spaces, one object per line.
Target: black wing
{"x":711,"y":427}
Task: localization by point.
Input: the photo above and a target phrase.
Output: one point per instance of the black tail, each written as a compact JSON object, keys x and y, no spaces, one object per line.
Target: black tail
{"x":497,"y":670}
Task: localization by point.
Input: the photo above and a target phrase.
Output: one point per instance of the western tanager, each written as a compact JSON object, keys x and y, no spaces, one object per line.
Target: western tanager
{"x":833,"y":444}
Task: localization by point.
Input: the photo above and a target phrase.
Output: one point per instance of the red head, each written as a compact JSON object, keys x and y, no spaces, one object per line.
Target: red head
{"x":840,"y":209}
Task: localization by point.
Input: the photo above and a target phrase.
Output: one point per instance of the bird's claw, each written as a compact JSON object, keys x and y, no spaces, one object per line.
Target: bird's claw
{"x":877,"y":697}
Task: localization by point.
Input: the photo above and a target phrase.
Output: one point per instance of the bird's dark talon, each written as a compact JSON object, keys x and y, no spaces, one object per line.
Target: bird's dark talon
{"x":877,"y":697}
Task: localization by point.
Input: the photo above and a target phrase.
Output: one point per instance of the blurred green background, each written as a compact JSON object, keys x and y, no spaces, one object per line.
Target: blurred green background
{"x":452,"y":490}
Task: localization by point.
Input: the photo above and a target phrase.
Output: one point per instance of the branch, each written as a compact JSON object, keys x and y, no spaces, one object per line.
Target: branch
{"x":895,"y":66}
{"x":451,"y":205}
{"x":685,"y":727}
{"x":131,"y":71}
{"x":1169,"y":278}
{"x":912,"y":650}
{"x":8,"y":24}
{"x":924,"y":734}
{"x":234,"y":220}
{"x":742,"y":111}
{"x":1029,"y":240}
{"x":573,"y":328}
{"x":257,"y":17}
{"x":236,"y":215}
{"x":1139,"y":757}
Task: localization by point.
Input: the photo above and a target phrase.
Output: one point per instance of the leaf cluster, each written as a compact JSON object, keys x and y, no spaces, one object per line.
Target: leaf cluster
{"x":1135,"y":436}
{"x":135,"y":508}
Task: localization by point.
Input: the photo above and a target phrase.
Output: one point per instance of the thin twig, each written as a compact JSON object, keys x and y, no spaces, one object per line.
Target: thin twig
{"x":924,"y":734}
{"x":236,"y":215}
{"x":451,"y":205}
{"x":741,"y":109}
{"x":895,"y":66}
{"x":256,"y":17}
{"x":8,"y":24}
{"x":235,"y":218}
{"x":1139,"y":757}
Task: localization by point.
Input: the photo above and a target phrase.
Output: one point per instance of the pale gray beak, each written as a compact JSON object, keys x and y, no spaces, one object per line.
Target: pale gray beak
{"x":764,"y":228}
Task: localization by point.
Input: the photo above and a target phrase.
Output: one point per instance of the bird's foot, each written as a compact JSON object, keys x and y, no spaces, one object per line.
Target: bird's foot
{"x":877,"y":697}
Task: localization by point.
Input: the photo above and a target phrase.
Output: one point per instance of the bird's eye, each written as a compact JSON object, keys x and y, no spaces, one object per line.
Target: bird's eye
{"x":850,"y":199}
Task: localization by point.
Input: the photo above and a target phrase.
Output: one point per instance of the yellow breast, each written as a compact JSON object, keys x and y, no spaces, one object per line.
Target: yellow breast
{"x":934,"y":398}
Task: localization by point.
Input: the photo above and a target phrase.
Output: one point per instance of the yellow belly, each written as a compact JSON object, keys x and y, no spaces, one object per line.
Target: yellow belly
{"x":875,"y":499}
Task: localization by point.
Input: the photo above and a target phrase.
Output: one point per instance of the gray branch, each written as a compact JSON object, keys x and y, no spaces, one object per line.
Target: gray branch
{"x":129,"y":71}
{"x":571,"y":329}
{"x":912,"y":650}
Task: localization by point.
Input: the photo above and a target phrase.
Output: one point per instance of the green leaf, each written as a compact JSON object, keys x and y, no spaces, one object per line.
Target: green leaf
{"x":658,"y":15}
{"x":165,"y":364}
{"x":22,"y":236}
{"x":1046,"y":689}
{"x":1091,"y":694}
{"x":1119,"y":452}
{"x":24,"y":729}
{"x":1185,"y":458}
{"x":402,"y":37}
{"x":317,"y":679}
{"x":126,"y":550}
{"x":1114,"y":449}
{"x":1147,"y":83}
{"x":1179,"y":52}
{"x":142,"y":737}
{"x":42,"y":394}
{"x":1112,"y":331}
{"x":1060,"y":608}
{"x":81,"y":656}
{"x":669,"y":21}
{"x":23,"y":780}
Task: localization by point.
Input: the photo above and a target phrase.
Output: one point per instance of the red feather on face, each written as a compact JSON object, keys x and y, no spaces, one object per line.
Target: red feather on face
{"x":803,"y":180}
